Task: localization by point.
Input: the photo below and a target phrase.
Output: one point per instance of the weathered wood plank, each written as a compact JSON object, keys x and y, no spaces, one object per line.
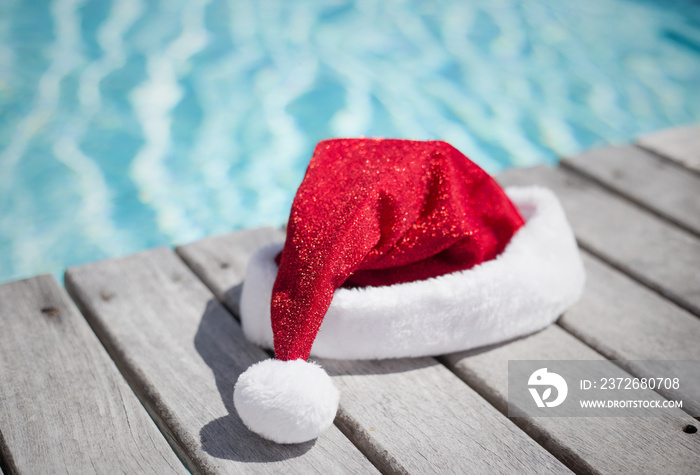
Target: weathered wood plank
{"x":586,"y":444}
{"x":650,"y":181}
{"x":625,"y":321}
{"x":660,"y":255}
{"x":681,"y":144}
{"x":416,"y":414}
{"x":221,"y":266}
{"x":64,"y":407}
{"x":408,"y":415}
{"x":182,"y":352}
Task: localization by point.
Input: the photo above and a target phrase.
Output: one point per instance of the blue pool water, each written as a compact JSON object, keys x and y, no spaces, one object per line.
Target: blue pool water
{"x":134,"y":123}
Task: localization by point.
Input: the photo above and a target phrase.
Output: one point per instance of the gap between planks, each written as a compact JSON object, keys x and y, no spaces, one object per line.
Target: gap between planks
{"x":679,"y":144}
{"x":645,"y":180}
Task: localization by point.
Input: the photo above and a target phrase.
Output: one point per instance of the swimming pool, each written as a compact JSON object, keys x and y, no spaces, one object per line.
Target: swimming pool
{"x":135,"y":123}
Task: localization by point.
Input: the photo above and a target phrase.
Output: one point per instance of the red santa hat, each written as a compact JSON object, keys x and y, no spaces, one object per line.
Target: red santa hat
{"x":395,"y":248}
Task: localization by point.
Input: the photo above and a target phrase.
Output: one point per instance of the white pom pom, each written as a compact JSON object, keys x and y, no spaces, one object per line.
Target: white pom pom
{"x":287,"y":402}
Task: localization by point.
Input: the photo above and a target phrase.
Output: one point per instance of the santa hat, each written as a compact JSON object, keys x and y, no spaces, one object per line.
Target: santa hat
{"x":395,"y":248}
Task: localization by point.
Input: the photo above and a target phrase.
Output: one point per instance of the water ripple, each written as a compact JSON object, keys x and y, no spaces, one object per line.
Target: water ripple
{"x":145,"y":122}
{"x":153,"y":102}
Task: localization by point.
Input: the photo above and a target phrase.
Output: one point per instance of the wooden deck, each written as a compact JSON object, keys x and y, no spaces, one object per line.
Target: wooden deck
{"x":134,"y":371}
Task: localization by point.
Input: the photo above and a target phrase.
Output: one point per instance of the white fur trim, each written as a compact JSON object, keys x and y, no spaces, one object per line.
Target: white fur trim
{"x":287,"y":402}
{"x":536,"y":278}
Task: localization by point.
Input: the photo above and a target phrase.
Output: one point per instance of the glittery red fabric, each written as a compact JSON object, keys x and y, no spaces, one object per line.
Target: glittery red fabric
{"x":376,"y":212}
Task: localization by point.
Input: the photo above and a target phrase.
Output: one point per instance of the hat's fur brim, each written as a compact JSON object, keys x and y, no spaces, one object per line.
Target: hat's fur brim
{"x":524,"y":289}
